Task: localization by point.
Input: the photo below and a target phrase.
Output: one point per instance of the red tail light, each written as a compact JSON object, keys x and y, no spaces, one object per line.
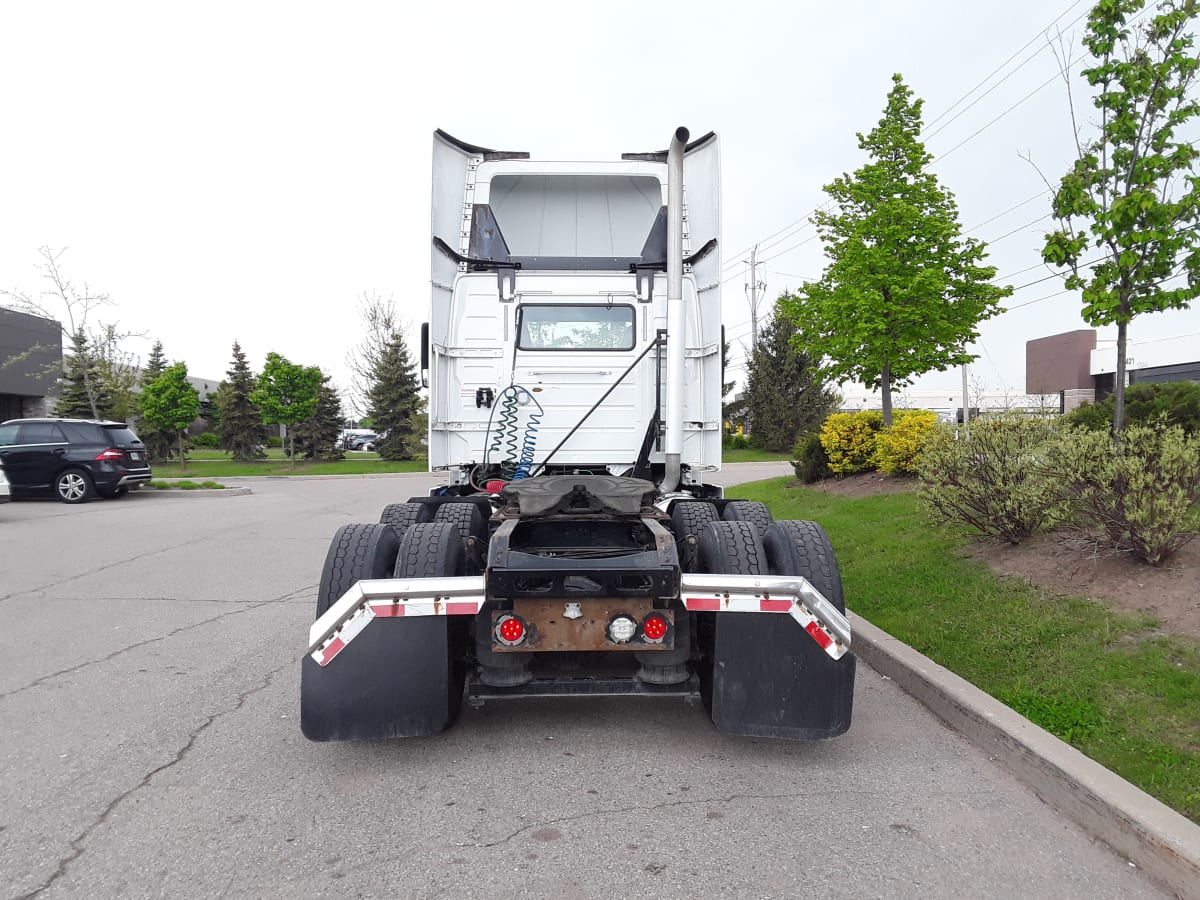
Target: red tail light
{"x":111,"y":453}
{"x":654,"y":628}
{"x":510,"y":630}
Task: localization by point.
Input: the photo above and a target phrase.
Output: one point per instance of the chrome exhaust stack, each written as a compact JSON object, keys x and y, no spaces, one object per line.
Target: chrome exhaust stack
{"x":675,"y":311}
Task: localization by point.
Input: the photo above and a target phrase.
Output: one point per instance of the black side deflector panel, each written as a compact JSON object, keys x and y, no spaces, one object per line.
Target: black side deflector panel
{"x":486,"y":153}
{"x":770,"y":679}
{"x":661,"y":155}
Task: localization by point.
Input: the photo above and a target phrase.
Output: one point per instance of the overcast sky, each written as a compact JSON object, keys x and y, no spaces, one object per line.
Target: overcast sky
{"x":248,"y":170}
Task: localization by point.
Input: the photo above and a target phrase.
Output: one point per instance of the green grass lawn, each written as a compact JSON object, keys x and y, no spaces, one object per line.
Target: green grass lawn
{"x":224,"y":467}
{"x":1106,"y":682}
{"x":752,"y":455}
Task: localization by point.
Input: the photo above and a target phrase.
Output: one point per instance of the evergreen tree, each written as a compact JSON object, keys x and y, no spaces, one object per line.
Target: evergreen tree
{"x":240,"y":428}
{"x":786,"y":395}
{"x":317,"y":437}
{"x":170,"y":404}
{"x":903,"y":292}
{"x":159,"y":444}
{"x":83,"y":394}
{"x":156,"y":363}
{"x":394,"y":400}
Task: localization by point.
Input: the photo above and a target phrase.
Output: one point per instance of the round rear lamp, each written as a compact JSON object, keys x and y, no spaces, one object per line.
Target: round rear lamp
{"x":654,"y":629}
{"x":622,"y":628}
{"x":510,"y":630}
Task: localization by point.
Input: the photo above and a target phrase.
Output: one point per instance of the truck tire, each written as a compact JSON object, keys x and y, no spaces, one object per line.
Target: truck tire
{"x":750,"y":511}
{"x":471,"y":523}
{"x":688,"y":518}
{"x":762,"y":675}
{"x":731,"y":548}
{"x":357,"y":552}
{"x":803,"y":548}
{"x":773,"y":679}
{"x":429,"y":549}
{"x":401,"y":677}
{"x":402,"y":515}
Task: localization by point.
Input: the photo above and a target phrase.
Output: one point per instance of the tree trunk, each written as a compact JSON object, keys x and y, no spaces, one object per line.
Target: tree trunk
{"x":292,"y":445}
{"x":182,"y":458}
{"x":1119,"y":382}
{"x":885,"y":384}
{"x":87,"y":387}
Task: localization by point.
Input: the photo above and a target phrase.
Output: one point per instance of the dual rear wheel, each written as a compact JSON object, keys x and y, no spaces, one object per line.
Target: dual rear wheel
{"x":404,"y":677}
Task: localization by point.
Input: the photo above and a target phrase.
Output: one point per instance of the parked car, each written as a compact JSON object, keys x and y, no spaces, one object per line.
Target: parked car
{"x":363,"y":441}
{"x":72,"y":459}
{"x":5,"y":490}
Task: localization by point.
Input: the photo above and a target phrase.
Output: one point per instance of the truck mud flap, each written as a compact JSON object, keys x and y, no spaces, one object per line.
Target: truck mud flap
{"x":400,"y":678}
{"x":384,"y":658}
{"x":769,"y":679}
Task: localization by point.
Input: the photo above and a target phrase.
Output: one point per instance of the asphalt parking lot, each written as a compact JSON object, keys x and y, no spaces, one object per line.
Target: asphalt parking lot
{"x":151,"y":748}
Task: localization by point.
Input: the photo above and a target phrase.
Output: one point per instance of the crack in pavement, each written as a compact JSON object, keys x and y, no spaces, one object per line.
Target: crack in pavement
{"x":666,"y":804}
{"x":111,"y":565}
{"x":283,"y":598}
{"x":77,"y":844}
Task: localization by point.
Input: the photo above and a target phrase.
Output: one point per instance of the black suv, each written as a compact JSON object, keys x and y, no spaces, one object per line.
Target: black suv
{"x":74,"y":459}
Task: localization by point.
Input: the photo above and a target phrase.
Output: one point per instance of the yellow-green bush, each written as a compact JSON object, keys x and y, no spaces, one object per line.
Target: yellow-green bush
{"x":898,"y":449}
{"x":991,"y":478}
{"x":849,"y":440}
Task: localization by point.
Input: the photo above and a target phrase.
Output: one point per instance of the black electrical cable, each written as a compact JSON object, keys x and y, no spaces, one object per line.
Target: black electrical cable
{"x":596,"y":405}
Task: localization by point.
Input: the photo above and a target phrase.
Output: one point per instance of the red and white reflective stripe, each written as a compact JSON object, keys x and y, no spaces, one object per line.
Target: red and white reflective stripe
{"x":393,"y":608}
{"x":747,"y":603}
{"x":343,"y":636}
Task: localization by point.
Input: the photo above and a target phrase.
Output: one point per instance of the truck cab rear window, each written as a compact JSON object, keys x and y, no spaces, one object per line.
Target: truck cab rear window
{"x":563,"y":327}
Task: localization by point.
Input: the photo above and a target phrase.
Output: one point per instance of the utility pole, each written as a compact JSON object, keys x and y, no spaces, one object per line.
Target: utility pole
{"x":966,"y":417}
{"x":752,"y":290}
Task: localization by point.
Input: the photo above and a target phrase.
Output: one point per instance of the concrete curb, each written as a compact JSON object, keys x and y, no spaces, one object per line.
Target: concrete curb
{"x":1163,"y":843}
{"x":196,"y":492}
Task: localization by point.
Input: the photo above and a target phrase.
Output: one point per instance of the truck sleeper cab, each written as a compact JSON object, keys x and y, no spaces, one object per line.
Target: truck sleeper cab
{"x":573,"y":359}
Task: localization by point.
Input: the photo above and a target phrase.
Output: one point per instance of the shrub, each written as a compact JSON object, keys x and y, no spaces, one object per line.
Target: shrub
{"x":206,"y":439}
{"x":1145,"y":403}
{"x":898,"y":449}
{"x":811,"y":463}
{"x":738,"y":442}
{"x":992,"y":480}
{"x":274,"y":442}
{"x":1139,"y":494}
{"x":849,"y":440}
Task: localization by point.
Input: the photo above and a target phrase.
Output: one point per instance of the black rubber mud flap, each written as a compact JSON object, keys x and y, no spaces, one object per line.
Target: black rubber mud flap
{"x":768,"y":678}
{"x":400,"y":677}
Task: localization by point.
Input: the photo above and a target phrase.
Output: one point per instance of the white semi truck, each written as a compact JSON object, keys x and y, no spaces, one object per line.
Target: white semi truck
{"x":573,"y":356}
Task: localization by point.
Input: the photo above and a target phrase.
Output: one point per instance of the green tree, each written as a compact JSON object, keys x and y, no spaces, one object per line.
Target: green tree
{"x":287,"y":394}
{"x":785,"y":393}
{"x":316,"y":437}
{"x":394,"y":400}
{"x":240,"y":427}
{"x":171,"y":404}
{"x":159,"y":443}
{"x":1132,"y":194}
{"x":903,"y":291}
{"x":82,"y":394}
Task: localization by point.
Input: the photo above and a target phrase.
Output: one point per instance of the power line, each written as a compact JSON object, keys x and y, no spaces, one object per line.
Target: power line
{"x":1026,"y":62}
{"x":1017,"y":53}
{"x":1018,"y":230}
{"x":1001,"y":215}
